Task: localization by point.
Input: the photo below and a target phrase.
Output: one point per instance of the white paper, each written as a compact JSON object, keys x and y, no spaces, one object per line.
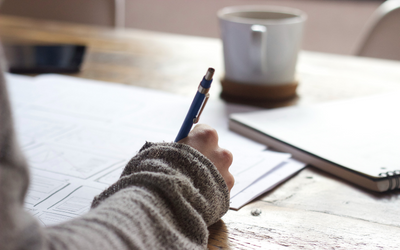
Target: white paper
{"x":247,"y":168}
{"x":267,"y":182}
{"x":77,"y":136}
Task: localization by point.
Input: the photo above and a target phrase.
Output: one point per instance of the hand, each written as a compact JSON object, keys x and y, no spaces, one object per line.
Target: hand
{"x":205,"y":140}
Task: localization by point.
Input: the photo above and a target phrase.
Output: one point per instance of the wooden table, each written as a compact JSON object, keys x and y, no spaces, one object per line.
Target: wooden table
{"x":313,"y":210}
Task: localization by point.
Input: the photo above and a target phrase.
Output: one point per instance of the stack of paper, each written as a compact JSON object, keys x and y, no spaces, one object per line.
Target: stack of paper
{"x":78,"y":135}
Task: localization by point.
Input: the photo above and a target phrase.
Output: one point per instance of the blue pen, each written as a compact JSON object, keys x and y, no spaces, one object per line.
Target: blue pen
{"x":198,"y":104}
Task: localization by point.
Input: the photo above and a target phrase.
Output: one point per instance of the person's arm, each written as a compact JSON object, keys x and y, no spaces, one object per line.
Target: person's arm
{"x":167,"y":196}
{"x":16,"y":225}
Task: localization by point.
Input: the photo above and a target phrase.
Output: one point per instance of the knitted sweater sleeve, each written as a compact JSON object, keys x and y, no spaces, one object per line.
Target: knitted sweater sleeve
{"x":166,"y":197}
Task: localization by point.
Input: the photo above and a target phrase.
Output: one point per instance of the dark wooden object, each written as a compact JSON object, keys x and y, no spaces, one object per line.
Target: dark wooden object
{"x":313,"y":210}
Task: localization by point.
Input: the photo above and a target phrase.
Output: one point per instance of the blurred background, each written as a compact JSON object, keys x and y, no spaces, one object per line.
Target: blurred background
{"x":333,"y":26}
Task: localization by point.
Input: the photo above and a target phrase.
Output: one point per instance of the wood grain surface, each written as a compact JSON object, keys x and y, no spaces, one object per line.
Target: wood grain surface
{"x":313,"y":210}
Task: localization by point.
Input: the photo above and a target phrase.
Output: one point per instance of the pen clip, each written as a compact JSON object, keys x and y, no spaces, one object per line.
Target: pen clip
{"x":197,"y":118}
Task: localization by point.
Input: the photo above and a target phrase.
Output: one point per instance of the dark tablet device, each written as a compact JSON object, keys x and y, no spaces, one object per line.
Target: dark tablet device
{"x":35,"y":59}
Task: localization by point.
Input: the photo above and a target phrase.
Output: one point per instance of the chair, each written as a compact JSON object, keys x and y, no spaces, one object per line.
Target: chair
{"x":96,"y":12}
{"x":381,"y":37}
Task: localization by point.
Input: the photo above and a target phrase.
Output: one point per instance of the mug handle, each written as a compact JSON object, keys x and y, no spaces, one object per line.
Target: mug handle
{"x":258,"y":48}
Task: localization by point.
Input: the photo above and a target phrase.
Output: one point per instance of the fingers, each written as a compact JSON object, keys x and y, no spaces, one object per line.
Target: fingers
{"x":201,"y":137}
{"x":205,"y":140}
{"x":229,"y":179}
{"x":224,"y":157}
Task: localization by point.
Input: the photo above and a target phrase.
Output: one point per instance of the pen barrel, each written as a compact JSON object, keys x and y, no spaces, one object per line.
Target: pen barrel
{"x":206,"y":83}
{"x":191,"y":115}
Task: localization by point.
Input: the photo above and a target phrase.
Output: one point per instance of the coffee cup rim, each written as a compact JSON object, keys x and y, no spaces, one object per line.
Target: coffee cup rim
{"x":299,"y":16}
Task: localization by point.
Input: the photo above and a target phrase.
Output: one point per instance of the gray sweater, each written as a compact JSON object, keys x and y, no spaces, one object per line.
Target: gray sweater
{"x":166,"y":197}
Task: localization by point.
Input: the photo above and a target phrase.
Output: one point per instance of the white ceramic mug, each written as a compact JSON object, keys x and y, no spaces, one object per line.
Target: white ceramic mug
{"x":261,"y":43}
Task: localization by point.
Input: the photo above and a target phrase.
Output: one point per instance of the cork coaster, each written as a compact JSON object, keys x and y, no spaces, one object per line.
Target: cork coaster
{"x":253,"y":92}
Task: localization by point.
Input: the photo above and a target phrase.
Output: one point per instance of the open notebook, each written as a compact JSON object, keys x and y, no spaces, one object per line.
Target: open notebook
{"x":357,"y":140}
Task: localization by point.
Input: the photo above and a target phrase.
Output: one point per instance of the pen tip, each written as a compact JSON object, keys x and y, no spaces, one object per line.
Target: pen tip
{"x":209,"y":74}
